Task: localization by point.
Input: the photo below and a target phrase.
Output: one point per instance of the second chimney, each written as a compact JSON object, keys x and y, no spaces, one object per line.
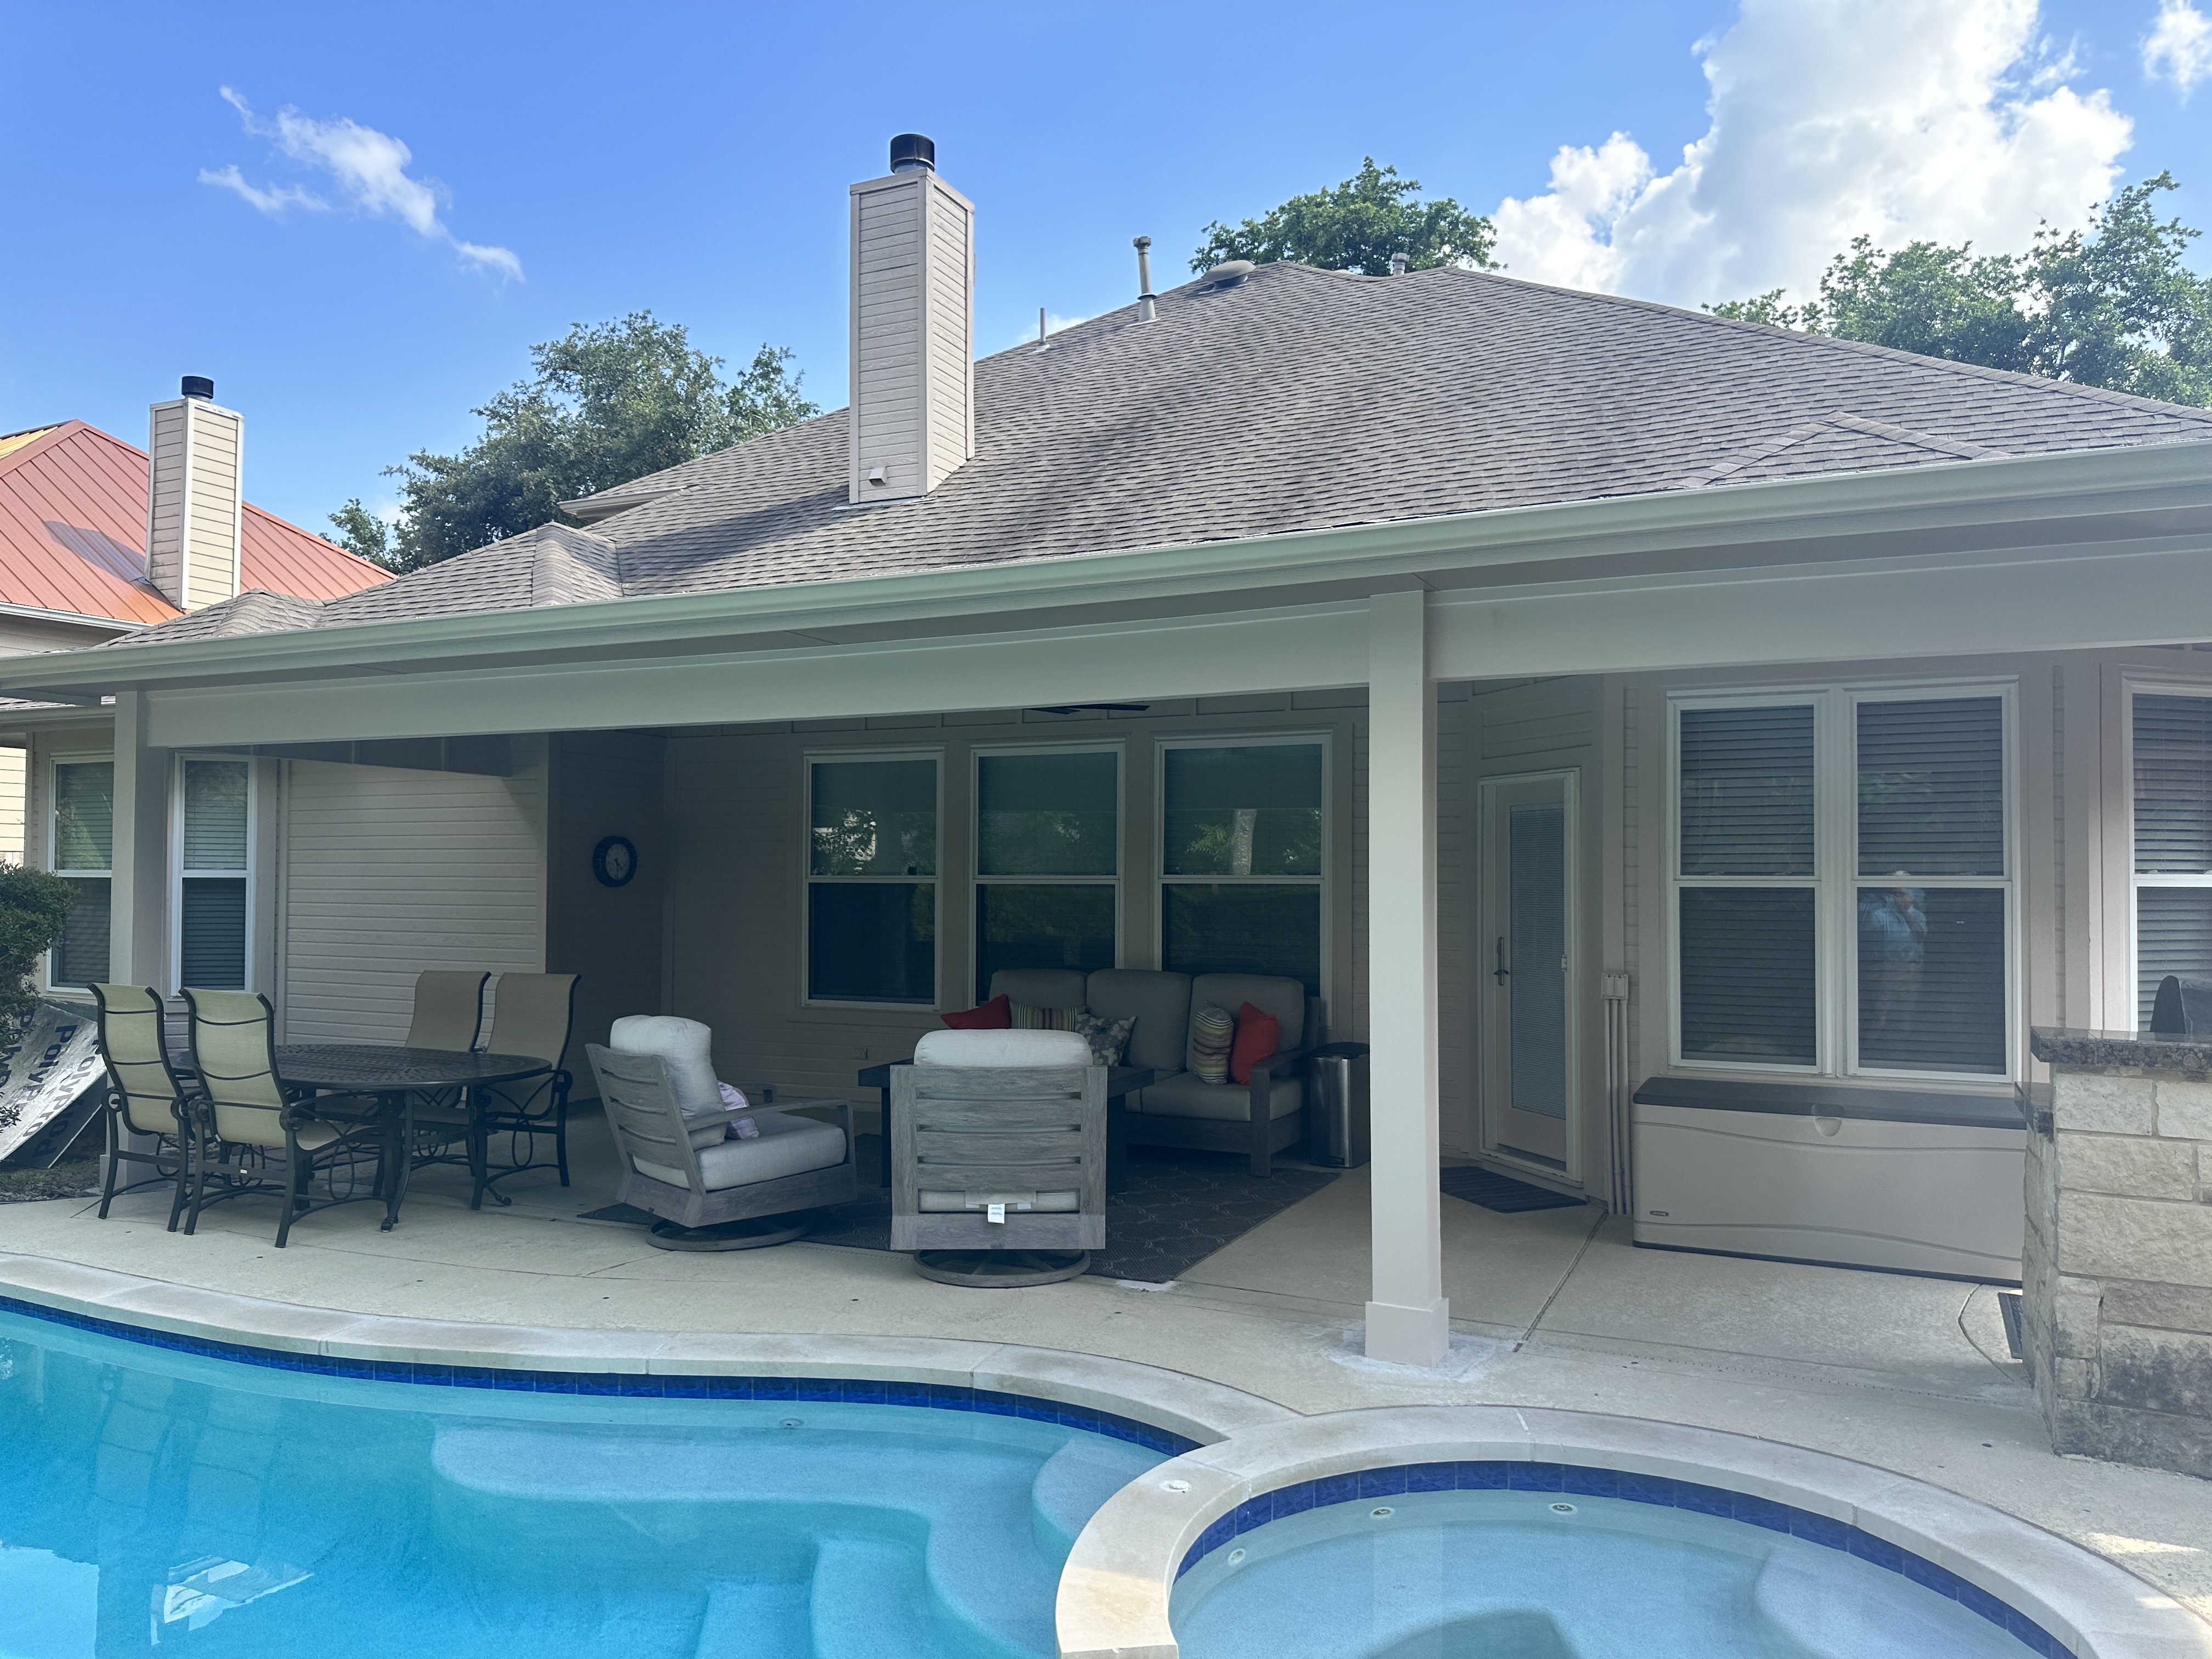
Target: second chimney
{"x":913,"y":409}
{"x":195,"y":500}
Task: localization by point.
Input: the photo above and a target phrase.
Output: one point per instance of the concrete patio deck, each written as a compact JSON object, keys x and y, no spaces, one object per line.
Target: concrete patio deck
{"x":1553,"y":1310}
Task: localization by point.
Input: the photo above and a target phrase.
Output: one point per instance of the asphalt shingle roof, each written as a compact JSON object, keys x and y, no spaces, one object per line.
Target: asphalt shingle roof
{"x":1298,"y":400}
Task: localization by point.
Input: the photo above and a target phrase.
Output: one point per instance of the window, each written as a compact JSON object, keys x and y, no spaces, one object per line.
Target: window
{"x":81,"y":852}
{"x":871,"y":924}
{"x":2173,"y":744}
{"x":214,"y":866}
{"x":1242,"y":857}
{"x":1047,"y":860}
{"x":1843,"y":888}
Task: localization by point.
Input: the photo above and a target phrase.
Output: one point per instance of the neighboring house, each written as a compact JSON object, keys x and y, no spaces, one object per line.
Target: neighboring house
{"x":1578,"y":695}
{"x":74,"y":534}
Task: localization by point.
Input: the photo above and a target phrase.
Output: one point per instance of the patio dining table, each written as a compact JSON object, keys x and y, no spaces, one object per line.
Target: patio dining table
{"x":395,"y":1076}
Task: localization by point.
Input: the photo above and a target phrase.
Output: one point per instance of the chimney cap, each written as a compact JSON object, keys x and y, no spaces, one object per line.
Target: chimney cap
{"x":198,"y":386}
{"x":913,"y":153}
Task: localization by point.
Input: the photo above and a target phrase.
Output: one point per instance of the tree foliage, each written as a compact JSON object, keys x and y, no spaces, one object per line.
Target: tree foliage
{"x":1358,"y":226}
{"x":2113,"y":304}
{"x":605,"y":404}
{"x":35,"y":910}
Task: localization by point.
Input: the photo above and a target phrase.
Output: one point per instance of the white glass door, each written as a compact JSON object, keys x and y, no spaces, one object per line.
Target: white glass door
{"x":1527,"y":967}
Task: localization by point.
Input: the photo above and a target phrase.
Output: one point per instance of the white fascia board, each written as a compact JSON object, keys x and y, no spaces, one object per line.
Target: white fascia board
{"x":77,"y":618}
{"x":2025,"y":501}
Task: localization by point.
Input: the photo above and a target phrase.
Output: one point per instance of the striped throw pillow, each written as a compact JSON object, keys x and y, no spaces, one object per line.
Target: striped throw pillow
{"x":1212,"y":1032}
{"x":1029,"y":1018}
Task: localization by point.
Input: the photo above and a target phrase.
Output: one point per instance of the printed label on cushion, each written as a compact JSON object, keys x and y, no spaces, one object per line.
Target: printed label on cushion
{"x":1212,"y":1030}
{"x":1109,"y":1038}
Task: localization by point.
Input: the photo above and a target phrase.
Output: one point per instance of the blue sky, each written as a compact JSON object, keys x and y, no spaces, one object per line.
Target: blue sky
{"x":569,"y":163}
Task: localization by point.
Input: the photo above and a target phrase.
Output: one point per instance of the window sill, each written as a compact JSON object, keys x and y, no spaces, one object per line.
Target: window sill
{"x":1999,"y":1109}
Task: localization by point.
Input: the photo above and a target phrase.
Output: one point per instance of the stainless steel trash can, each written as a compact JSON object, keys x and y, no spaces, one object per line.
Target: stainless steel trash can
{"x":1339,"y":1070}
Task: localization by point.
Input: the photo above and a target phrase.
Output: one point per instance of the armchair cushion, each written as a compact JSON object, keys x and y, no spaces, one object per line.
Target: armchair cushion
{"x":1160,"y":1004}
{"x":1001,"y":1049}
{"x":685,"y":1048}
{"x":1184,"y":1096}
{"x":788,"y":1145}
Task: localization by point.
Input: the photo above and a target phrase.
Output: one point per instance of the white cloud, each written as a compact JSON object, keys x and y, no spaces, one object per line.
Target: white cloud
{"x":2179,"y":47}
{"x":368,"y":166}
{"x":273,"y":200}
{"x":1827,"y":118}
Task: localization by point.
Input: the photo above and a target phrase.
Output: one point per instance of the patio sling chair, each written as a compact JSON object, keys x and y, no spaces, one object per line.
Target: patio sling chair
{"x":448,"y":1010}
{"x":739,"y":1194}
{"x":246,"y":1112}
{"x":144,"y":1098}
{"x":998,"y":1156}
{"x":531,"y":1014}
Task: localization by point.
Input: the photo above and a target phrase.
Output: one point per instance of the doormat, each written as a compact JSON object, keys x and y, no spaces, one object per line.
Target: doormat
{"x":1175,"y":1209}
{"x":1501,"y":1193}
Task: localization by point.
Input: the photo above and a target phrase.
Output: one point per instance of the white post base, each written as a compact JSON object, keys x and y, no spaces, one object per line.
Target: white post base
{"x":1409,"y":1336}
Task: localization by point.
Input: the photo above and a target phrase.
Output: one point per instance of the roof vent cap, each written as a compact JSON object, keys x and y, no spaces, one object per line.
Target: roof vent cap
{"x":912,"y":153}
{"x":1229,"y":273}
{"x":198,"y":386}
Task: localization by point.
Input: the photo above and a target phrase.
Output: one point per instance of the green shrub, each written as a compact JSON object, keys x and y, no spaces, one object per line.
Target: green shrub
{"x":35,"y":908}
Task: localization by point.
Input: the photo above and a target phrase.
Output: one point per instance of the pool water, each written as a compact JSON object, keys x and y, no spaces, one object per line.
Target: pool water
{"x":1532,"y":1575}
{"x":154,"y":1499}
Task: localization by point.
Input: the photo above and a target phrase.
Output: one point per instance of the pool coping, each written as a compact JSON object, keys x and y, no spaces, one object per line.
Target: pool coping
{"x":1188,"y":1410}
{"x":1114,"y":1591}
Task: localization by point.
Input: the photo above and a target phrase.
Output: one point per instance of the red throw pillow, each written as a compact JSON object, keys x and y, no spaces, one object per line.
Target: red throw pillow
{"x":1257,"y":1034}
{"x":996,"y":1015}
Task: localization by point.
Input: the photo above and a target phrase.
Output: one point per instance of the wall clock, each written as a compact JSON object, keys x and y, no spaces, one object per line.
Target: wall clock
{"x":614,"y":861}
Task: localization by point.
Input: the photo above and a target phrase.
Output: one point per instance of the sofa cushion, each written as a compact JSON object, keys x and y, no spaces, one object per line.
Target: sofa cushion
{"x":788,"y":1145}
{"x":1285,"y":999}
{"x":1160,"y":1004}
{"x":1258,"y":1036}
{"x":996,"y":1015}
{"x":1184,"y":1096}
{"x":1041,"y":988}
{"x":1001,"y":1049}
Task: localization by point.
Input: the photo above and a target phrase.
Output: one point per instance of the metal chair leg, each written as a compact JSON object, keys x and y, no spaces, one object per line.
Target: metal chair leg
{"x":185,"y":1143}
{"x":561,"y":1136}
{"x":293,"y":1154}
{"x":115,"y":1161}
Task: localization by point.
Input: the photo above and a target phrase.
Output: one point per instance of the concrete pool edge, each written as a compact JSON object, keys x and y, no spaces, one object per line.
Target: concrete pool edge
{"x":1115,"y":1590}
{"x":1172,"y":1402}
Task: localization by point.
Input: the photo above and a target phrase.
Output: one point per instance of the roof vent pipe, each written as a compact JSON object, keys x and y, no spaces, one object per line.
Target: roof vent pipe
{"x":1147,"y":308}
{"x":1400,"y":263}
{"x":912,"y":153}
{"x":198,"y":386}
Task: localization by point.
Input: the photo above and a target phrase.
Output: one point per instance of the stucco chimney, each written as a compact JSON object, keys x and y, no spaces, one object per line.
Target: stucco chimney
{"x":913,"y":349}
{"x":195,"y":498}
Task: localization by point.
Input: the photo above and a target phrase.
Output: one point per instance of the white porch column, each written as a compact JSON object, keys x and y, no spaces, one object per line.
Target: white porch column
{"x":137,"y":928}
{"x":1407,"y":1319}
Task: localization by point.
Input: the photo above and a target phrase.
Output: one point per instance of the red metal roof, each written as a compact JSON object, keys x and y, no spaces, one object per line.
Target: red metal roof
{"x":73,"y":533}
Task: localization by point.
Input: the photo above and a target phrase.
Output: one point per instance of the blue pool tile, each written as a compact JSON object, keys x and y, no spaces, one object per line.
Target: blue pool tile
{"x":1880,"y":1550}
{"x":1975,"y":1599}
{"x":1590,"y":1483}
{"x":1646,"y":1489}
{"x":1489,"y":1475}
{"x":906,"y":1394}
{"x":687,"y":1387}
{"x":952,"y":1397}
{"x":1430,"y":1476}
{"x":994,"y":1405}
{"x":1763,"y":1513}
{"x":1926,"y":1574}
{"x":814,"y":1388}
{"x":1214,"y":1536}
{"x":648,"y":1388}
{"x":1291,"y":1500}
{"x":1335,"y":1489}
{"x":1253,"y":1512}
{"x":2030,"y":1634}
{"x":1536,"y":1477}
{"x":1703,"y":1500}
{"x":1035,"y":1412}
{"x":1820,"y":1529}
{"x":1383,"y":1483}
{"x":861,"y":1394}
{"x":775,"y":1387}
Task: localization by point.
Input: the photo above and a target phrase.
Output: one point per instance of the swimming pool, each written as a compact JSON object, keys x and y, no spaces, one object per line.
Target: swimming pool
{"x":1558,"y":1574}
{"x":157,"y":1498}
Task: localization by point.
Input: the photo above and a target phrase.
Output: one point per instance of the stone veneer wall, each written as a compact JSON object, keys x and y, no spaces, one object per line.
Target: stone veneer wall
{"x":2117,"y":1280}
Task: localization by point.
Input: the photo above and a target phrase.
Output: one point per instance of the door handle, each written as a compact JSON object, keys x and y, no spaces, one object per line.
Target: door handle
{"x":1501,"y":973}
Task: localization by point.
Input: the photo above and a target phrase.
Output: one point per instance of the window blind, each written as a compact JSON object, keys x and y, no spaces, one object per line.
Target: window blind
{"x":1931,"y":787}
{"x":212,"y":941}
{"x":1746,"y":791}
{"x":1748,"y":979}
{"x":1931,"y":978}
{"x":2173,"y":784}
{"x":2173,"y":935}
{"x":84,"y":815}
{"x":215,"y":815}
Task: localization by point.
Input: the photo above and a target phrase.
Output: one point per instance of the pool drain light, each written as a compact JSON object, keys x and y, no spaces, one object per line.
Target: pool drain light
{"x":1175,"y":1485}
{"x":1235,"y":1555}
{"x":792,"y":1422}
{"x":1376,"y":1515}
{"x":1563,"y":1509}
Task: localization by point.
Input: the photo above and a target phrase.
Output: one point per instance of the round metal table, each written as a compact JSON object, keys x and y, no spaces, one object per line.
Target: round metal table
{"x":395,"y":1076}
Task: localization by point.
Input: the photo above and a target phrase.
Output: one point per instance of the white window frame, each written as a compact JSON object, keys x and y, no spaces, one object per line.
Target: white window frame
{"x":178,"y":874}
{"x":2133,"y":687}
{"x":808,"y":760}
{"x":978,"y":880}
{"x":1835,"y":879}
{"x":54,"y":762}
{"x":1324,"y":883}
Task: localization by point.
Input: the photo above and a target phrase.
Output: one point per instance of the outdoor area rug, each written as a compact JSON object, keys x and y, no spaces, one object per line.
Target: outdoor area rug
{"x":1176,"y":1209}
{"x":1501,"y":1193}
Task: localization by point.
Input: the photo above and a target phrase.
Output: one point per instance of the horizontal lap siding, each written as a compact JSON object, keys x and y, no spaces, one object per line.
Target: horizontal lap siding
{"x":387,"y":873}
